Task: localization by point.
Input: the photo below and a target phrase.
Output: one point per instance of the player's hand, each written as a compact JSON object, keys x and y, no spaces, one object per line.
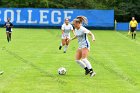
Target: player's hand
{"x":63,"y":35}
{"x":93,"y":40}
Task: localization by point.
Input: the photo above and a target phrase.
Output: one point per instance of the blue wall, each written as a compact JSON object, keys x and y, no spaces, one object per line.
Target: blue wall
{"x":55,"y":17}
{"x":123,"y":26}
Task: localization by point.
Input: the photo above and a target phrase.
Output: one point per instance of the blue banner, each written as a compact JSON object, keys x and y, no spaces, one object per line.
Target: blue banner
{"x":124,"y":26}
{"x":55,"y":17}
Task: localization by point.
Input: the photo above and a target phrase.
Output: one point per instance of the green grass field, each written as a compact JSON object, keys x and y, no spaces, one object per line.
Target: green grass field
{"x":31,"y":60}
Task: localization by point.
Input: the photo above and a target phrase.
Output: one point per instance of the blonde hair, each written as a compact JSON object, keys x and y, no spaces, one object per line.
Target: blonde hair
{"x":82,"y":20}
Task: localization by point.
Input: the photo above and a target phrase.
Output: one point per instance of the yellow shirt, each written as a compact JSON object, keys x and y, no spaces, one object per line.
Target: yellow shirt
{"x":133,"y":23}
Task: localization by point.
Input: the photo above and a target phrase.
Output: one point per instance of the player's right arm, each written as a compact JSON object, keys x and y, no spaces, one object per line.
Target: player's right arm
{"x":72,"y":30}
{"x":73,"y":38}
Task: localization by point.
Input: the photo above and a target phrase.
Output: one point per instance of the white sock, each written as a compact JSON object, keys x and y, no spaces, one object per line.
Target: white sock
{"x":81,"y":63}
{"x":61,"y":44}
{"x":87,"y":63}
{"x":65,"y":48}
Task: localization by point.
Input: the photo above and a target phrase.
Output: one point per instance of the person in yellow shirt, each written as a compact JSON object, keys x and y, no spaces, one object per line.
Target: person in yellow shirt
{"x":132,"y":26}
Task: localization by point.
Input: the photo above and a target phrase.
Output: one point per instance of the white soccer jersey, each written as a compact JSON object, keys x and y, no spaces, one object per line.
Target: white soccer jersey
{"x":66,"y":29}
{"x":82,"y":37}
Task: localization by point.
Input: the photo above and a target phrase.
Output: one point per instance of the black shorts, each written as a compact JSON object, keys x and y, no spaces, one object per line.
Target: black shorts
{"x":133,"y":29}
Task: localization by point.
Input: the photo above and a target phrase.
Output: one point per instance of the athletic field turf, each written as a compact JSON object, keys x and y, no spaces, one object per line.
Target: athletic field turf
{"x":31,"y":60}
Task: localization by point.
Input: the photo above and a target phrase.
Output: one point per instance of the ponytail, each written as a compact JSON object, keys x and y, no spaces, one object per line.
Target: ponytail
{"x":82,"y":19}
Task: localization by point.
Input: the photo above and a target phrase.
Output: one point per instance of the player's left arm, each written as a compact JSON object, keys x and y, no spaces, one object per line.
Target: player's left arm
{"x":11,"y":25}
{"x":90,"y":34}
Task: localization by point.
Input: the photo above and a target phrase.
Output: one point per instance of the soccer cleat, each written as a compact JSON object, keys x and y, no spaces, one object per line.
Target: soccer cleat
{"x":60,"y":47}
{"x":87,"y":72}
{"x":92,"y":73}
{"x":1,"y":72}
{"x":64,"y":51}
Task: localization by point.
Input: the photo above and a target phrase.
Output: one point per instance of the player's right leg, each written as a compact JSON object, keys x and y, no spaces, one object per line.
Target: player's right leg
{"x":80,"y":62}
{"x":10,"y":36}
{"x":134,"y":34}
{"x":60,"y":46}
{"x":62,"y":43}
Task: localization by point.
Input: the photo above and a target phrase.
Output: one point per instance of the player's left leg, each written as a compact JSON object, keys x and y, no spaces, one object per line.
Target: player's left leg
{"x":85,"y":52}
{"x":66,"y":46}
{"x":80,"y":62}
{"x":134,"y":34}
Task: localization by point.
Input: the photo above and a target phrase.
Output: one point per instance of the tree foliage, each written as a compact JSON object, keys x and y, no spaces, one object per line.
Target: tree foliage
{"x":124,"y":9}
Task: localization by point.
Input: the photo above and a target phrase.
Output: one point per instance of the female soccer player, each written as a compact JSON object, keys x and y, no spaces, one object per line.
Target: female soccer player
{"x":84,"y":45}
{"x":8,"y":25}
{"x":66,"y":28}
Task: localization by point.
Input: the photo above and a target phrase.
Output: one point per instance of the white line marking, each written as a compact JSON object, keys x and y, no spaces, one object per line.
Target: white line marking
{"x":123,"y":36}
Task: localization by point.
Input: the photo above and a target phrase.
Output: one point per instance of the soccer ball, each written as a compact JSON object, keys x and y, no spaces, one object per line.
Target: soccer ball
{"x":62,"y":71}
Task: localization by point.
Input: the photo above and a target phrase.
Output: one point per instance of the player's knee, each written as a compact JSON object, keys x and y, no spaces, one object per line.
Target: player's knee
{"x":84,"y":56}
{"x":63,"y":43}
{"x":67,"y":44}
